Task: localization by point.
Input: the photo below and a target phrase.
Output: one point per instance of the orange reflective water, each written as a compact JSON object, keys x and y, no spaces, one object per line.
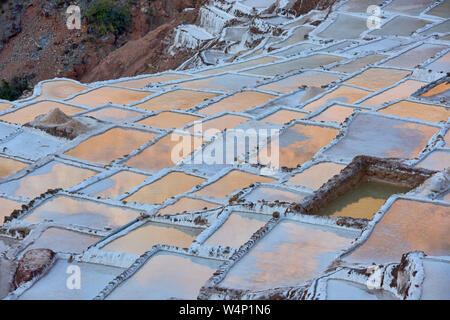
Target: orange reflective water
{"x":284,"y":116}
{"x":378,"y":78}
{"x":143,"y":82}
{"x":110,"y":145}
{"x":307,"y":78}
{"x":334,"y":113}
{"x":341,"y":94}
{"x":172,"y":184}
{"x":10,"y":166}
{"x":178,"y":99}
{"x":8,"y":206}
{"x":315,"y":176}
{"x":121,"y":182}
{"x":185,"y":204}
{"x":60,"y":89}
{"x":104,"y":95}
{"x":417,"y":110}
{"x":437,"y":160}
{"x":114,"y":115}
{"x":228,"y":121}
{"x":169,"y":120}
{"x":401,"y":91}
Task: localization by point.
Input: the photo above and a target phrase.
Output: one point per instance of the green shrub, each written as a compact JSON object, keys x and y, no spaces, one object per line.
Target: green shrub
{"x":106,"y":17}
{"x":13,"y":91}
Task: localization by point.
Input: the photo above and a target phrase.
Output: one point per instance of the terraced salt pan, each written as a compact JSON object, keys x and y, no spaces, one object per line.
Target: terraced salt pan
{"x":335,"y":113}
{"x":345,"y":27}
{"x":363,"y":201}
{"x":143,"y":82}
{"x":226,"y":82}
{"x":315,"y":176}
{"x":272,"y":195}
{"x":441,"y":64}
{"x":382,"y":45}
{"x":400,"y":91}
{"x":28,"y":113}
{"x":441,"y":10}
{"x":407,"y":226}
{"x":382,"y":137}
{"x":346,"y":290}
{"x":377,"y":78}
{"x":307,"y":78}
{"x":441,"y":27}
{"x":9,"y":166}
{"x":70,"y":211}
{"x":115,"y":143}
{"x":167,"y":275}
{"x":296,"y":49}
{"x":219,"y":124}
{"x":142,"y":239}
{"x":237,"y":229}
{"x":59,"y":89}
{"x":237,"y":102}
{"x":185,"y":204}
{"x":8,"y":206}
{"x":300,"y":143}
{"x":162,"y":154}
{"x":169,"y":120}
{"x":5,"y":106}
{"x":359,"y":63}
{"x":438,"y":92}
{"x":359,"y":5}
{"x":240,"y":65}
{"x":409,"y":7}
{"x":177,"y":99}
{"x":299,"y":34}
{"x":436,"y":160}
{"x":105,"y":95}
{"x":53,"y":285}
{"x":400,"y":26}
{"x":283,"y":116}
{"x":115,"y":185}
{"x":415,"y":56}
{"x":113,"y":114}
{"x":170,"y":185}
{"x":309,"y":62}
{"x":437,"y":276}
{"x":341,"y":94}
{"x":53,"y":175}
{"x":425,"y":112}
{"x":64,"y":241}
{"x":231,"y":182}
{"x":289,"y":255}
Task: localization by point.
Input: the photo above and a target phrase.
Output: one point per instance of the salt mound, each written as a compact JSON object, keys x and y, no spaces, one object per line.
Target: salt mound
{"x":59,"y":124}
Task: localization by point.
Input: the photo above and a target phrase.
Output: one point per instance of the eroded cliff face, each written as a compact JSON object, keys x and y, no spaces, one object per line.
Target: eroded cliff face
{"x":35,"y":42}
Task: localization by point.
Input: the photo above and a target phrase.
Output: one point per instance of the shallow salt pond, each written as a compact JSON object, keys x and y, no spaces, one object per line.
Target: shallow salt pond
{"x":170,"y":185}
{"x":407,"y":226}
{"x":237,"y":102}
{"x":113,"y":114}
{"x":377,"y":78}
{"x":143,"y":82}
{"x":415,"y":56}
{"x":64,"y":241}
{"x":169,"y":120}
{"x":299,"y":34}
{"x":50,"y":176}
{"x":5,"y":106}
{"x":237,"y":229}
{"x":409,"y":7}
{"x":162,"y":153}
{"x":114,"y":143}
{"x":315,"y":176}
{"x":115,"y":185}
{"x":300,"y":143}
{"x":295,"y":49}
{"x":400,"y":26}
{"x":441,"y":10}
{"x":377,"y":136}
{"x":185,"y":204}
{"x":308,"y":78}
{"x":28,"y":113}
{"x":219,"y":124}
{"x":346,"y":290}
{"x":422,"y":111}
{"x":70,"y":211}
{"x":309,"y":62}
{"x":142,"y":239}
{"x":240,"y":65}
{"x":436,"y":160}
{"x":341,"y":94}
{"x":400,"y":91}
{"x":359,"y":63}
{"x":345,"y":27}
{"x":437,"y":278}
{"x":8,"y":206}
{"x":442,"y":90}
{"x":363,"y":201}
{"x":335,"y":113}
{"x":272,"y":194}
{"x":440,"y":65}
{"x":52,"y":286}
{"x":104,"y":95}
{"x":60,"y":89}
{"x":283,"y":116}
{"x":9,"y":166}
{"x":167,"y":275}
{"x":225,"y":82}
{"x":232,"y":181}
{"x":289,"y":255}
{"x":177,"y":99}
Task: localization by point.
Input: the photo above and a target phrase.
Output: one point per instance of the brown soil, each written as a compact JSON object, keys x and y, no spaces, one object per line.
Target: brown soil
{"x":34,"y":263}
